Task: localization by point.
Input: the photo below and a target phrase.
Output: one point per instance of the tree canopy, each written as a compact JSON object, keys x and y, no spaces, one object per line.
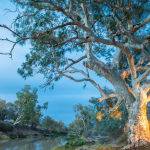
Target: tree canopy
{"x":29,"y":111}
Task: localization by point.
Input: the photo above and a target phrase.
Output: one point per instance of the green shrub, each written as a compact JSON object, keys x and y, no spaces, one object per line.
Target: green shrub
{"x":5,"y":127}
{"x":76,"y":141}
{"x":54,"y":126}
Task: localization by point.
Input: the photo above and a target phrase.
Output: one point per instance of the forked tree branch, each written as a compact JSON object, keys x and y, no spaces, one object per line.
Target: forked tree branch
{"x":75,"y":62}
{"x":9,"y":29}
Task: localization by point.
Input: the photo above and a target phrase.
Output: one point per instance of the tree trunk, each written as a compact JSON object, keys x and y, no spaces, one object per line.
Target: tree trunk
{"x":138,"y":125}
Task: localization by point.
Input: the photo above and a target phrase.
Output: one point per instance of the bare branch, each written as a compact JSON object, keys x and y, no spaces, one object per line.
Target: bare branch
{"x":75,"y":62}
{"x":13,"y":45}
{"x":9,"y":29}
{"x":89,"y":79}
{"x":74,"y":79}
{"x":1,"y":53}
{"x":6,"y":39}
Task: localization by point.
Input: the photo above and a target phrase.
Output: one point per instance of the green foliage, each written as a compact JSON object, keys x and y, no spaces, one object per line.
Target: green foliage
{"x":2,"y":109}
{"x":74,"y":140}
{"x":8,"y":111}
{"x":53,"y":125}
{"x":84,"y":120}
{"x":5,"y":127}
{"x":82,"y":126}
{"x":110,"y":124}
{"x":29,"y":111}
{"x":12,"y":111}
{"x":86,"y":125}
{"x":41,"y":22}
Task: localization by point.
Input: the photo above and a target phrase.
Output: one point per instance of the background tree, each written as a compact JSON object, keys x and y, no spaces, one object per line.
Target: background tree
{"x":3,"y":110}
{"x":85,"y":118}
{"x":53,"y":125}
{"x":84,"y":125}
{"x":88,"y":127}
{"x":12,"y":111}
{"x":29,"y":112}
{"x":8,"y":111}
{"x":110,"y":38}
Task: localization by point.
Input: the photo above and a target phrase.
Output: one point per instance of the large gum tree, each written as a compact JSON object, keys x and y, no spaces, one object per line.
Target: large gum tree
{"x":110,"y":38}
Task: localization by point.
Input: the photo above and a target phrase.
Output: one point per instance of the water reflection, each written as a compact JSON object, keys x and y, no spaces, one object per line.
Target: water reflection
{"x":33,"y":144}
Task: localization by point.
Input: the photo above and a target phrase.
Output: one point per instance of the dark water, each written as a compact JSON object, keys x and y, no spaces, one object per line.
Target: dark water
{"x":33,"y":144}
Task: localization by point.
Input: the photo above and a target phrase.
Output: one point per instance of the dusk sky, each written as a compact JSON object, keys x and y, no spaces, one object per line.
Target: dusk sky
{"x":65,"y":94}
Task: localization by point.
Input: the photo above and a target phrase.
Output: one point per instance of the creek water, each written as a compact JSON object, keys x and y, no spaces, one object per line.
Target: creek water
{"x":33,"y":144}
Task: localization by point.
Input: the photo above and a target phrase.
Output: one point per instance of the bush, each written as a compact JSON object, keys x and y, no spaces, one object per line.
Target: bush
{"x":53,"y":125}
{"x":5,"y":127}
{"x":75,"y":140}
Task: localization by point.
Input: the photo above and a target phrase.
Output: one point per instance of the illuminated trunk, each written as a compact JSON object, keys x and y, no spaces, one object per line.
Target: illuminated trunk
{"x":139,"y":129}
{"x":136,"y":103}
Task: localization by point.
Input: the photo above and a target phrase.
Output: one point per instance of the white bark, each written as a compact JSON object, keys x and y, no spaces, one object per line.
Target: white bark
{"x":139,"y":126}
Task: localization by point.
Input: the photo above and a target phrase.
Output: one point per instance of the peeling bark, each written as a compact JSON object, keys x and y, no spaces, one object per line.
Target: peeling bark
{"x":138,"y":124}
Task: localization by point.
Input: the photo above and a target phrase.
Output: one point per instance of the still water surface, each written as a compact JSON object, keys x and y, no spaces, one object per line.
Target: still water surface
{"x":33,"y":144}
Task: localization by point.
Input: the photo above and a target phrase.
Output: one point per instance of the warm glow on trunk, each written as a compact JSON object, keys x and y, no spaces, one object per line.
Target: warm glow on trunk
{"x":140,"y":129}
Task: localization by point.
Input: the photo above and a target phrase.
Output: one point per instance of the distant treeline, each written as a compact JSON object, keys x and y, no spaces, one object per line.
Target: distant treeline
{"x":26,"y":112}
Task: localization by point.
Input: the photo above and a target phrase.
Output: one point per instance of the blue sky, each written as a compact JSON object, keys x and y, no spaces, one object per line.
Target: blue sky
{"x":65,"y":94}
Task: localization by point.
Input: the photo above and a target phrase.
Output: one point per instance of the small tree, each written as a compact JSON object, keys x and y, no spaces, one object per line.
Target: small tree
{"x":83,"y":126}
{"x":85,"y":118}
{"x":28,"y":109}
